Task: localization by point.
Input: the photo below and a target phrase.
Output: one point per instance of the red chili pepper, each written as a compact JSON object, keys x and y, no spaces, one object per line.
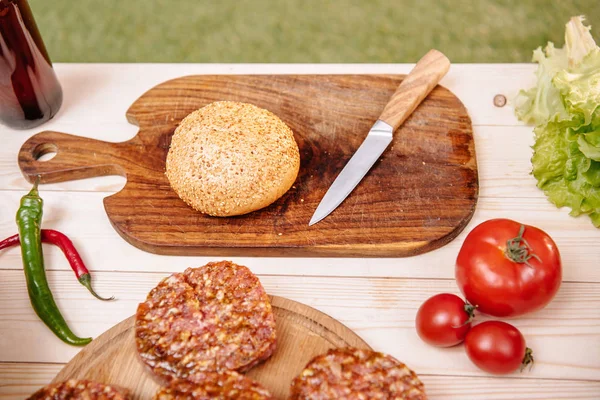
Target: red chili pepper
{"x":67,"y":247}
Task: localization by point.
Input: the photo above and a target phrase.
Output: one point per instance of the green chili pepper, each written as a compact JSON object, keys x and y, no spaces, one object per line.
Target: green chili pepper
{"x":29,"y":218}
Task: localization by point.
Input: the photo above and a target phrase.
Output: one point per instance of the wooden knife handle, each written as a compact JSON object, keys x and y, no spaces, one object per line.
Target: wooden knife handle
{"x":415,"y":87}
{"x":76,"y":157}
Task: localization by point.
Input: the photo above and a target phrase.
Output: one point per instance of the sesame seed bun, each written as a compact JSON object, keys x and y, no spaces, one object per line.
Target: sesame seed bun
{"x":231,"y":158}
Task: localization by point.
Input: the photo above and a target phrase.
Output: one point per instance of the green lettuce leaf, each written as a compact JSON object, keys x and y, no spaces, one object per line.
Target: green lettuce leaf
{"x":578,"y":40}
{"x":565,"y":107}
{"x":579,"y":86}
{"x":589,"y":144}
{"x":564,"y":173}
{"x":543,"y":101}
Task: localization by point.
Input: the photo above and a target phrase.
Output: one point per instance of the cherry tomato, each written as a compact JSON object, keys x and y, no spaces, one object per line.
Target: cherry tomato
{"x":507,"y":269}
{"x":497,"y":347}
{"x":444,"y":320}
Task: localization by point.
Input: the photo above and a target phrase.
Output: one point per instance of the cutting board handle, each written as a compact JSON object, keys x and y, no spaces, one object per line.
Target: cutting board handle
{"x":415,"y":87}
{"x":76,"y":157}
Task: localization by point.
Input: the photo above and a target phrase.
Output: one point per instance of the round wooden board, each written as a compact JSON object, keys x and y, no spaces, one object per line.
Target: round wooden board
{"x":302,"y":333}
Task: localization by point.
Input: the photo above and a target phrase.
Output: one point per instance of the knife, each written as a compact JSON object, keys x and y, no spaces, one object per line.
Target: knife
{"x":412,"y":90}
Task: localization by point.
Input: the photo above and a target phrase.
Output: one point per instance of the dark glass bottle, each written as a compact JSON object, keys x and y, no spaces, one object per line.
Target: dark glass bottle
{"x":30,"y":93}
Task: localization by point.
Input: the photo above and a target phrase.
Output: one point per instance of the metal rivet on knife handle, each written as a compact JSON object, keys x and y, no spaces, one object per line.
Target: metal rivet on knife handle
{"x":415,"y":87}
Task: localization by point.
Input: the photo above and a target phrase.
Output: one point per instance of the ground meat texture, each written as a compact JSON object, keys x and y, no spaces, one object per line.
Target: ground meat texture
{"x":225,"y":385}
{"x":80,"y":390}
{"x":353,"y":374}
{"x":216,"y":317}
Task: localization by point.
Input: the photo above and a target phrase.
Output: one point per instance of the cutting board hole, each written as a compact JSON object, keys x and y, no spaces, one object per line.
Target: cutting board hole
{"x":45,"y":151}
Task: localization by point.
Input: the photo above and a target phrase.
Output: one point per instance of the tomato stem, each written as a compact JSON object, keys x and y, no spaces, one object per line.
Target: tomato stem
{"x":518,"y":250}
{"x":527,"y":359}
{"x":470,"y":310}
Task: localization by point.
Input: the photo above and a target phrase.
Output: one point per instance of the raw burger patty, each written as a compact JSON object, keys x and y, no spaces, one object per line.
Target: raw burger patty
{"x":353,"y":374}
{"x":225,"y":385}
{"x":205,"y":319}
{"x":79,"y":390}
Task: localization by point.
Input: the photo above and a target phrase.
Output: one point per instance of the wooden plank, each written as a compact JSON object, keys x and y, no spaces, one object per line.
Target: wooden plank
{"x":565,"y":336}
{"x":99,"y":93}
{"x":503,"y":158}
{"x":488,"y":388}
{"x":81,"y":216}
{"x":18,"y":380}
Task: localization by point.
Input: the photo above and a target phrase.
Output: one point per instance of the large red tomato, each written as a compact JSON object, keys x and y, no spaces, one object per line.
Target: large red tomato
{"x":507,"y":269}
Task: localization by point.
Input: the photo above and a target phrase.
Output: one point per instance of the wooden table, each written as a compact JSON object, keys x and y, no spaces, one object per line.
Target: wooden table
{"x":378,"y":298}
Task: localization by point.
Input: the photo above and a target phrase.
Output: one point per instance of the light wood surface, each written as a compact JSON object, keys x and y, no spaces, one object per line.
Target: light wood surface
{"x":418,"y":197}
{"x":302,"y":333}
{"x":376,"y":297}
{"x":415,"y":87}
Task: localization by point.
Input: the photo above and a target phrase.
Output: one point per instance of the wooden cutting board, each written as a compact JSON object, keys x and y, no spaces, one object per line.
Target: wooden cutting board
{"x":302,"y":333}
{"x":418,"y":197}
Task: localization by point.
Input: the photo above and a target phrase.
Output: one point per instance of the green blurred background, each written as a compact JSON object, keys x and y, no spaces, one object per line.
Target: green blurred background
{"x":303,"y":31}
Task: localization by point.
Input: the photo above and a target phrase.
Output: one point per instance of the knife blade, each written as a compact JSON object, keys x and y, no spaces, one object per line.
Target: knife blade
{"x":413,"y":89}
